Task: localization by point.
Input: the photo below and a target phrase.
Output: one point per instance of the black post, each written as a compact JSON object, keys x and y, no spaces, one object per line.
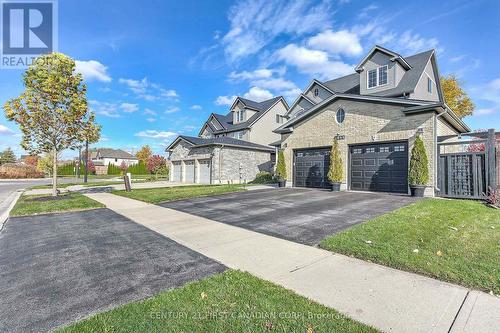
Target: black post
{"x":86,"y":160}
{"x":490,"y":151}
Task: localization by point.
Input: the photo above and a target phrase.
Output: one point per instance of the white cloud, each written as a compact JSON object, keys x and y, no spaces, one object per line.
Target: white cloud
{"x":485,"y":112}
{"x":169,"y":93}
{"x":149,"y":91}
{"x":256,"y":74}
{"x":155,"y":134}
{"x":104,"y":108}
{"x":256,"y":23}
{"x":225,"y":100}
{"x":495,"y":85}
{"x":172,"y":110}
{"x":129,"y":107}
{"x":275,"y":84}
{"x":151,"y":120}
{"x":413,"y":43}
{"x":4,"y":130}
{"x":196,"y":107}
{"x":488,"y":95}
{"x":149,"y":112}
{"x":137,"y":86}
{"x":92,"y":70}
{"x":258,"y":94}
{"x":313,"y":62}
{"x":338,"y":42}
{"x":366,"y":10}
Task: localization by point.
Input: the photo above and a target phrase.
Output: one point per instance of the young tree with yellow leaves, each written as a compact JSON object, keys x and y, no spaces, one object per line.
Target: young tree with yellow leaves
{"x":455,"y":97}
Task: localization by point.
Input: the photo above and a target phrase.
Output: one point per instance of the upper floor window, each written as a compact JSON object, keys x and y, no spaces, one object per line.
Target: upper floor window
{"x":316,"y":92}
{"x":377,"y":77}
{"x":279,"y":119}
{"x":429,"y":85}
{"x":240,"y":116}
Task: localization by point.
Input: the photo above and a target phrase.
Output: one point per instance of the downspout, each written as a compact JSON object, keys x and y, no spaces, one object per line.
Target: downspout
{"x":436,"y":150}
{"x":220,"y":163}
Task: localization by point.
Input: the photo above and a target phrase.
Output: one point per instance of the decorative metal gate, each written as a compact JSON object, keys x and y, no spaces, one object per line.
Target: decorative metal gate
{"x":466,"y":168}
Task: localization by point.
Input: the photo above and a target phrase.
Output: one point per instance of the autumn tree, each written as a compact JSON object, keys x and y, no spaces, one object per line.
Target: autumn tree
{"x":52,"y":109}
{"x":144,"y":154}
{"x":7,"y":156}
{"x":455,"y":97}
{"x":157,"y":165}
{"x":31,"y":160}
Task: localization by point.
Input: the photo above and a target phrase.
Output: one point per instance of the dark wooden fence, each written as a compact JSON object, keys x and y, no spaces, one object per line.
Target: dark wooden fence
{"x":467,"y":168}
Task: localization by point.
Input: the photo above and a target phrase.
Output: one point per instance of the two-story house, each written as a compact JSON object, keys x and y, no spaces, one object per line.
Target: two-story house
{"x":230,"y":148}
{"x":376,"y":113}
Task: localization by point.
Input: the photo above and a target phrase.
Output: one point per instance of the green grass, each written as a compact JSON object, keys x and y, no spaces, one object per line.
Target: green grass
{"x":42,"y":204}
{"x":156,"y":195}
{"x":457,"y":241}
{"x":229,"y":302}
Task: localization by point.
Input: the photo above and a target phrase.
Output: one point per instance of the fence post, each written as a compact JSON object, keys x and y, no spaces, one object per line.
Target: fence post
{"x":490,"y":150}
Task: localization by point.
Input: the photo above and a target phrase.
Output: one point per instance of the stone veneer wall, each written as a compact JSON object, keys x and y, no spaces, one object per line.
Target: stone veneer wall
{"x":365,"y":122}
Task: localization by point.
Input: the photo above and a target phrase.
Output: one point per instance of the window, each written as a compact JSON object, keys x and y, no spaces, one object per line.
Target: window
{"x":316,"y":92}
{"x":377,"y":77}
{"x":279,"y":119}
{"x":357,"y":151}
{"x":239,"y":135}
{"x":384,"y":149}
{"x":399,"y":148}
{"x":429,"y":85}
{"x":340,"y":116}
{"x":372,"y":78}
{"x":116,"y":160}
{"x":370,"y":150}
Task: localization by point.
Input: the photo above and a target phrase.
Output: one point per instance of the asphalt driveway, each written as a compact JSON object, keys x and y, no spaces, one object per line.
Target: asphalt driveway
{"x":305,"y":216}
{"x":58,"y":268}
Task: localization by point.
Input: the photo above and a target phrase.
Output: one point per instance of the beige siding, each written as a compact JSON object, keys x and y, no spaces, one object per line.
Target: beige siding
{"x":262,"y":131}
{"x":378,"y":59}
{"x":364,"y":123}
{"x":322,"y":93}
{"x":421,"y":91}
{"x":301,"y":104}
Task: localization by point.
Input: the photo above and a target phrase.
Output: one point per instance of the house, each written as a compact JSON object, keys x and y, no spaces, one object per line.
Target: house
{"x":106,"y":156}
{"x":376,"y":113}
{"x":230,"y":148}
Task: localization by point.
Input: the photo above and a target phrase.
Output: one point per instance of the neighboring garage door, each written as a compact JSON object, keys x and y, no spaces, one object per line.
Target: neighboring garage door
{"x":380,"y":167}
{"x":189,"y":167}
{"x":177,"y":172}
{"x":311,"y":168}
{"x":204,"y":177}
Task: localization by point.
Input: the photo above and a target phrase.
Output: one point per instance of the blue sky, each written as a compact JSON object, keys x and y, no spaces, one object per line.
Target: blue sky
{"x":156,"y":69}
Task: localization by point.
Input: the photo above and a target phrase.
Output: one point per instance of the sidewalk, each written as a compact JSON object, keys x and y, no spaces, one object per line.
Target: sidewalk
{"x":385,"y":298}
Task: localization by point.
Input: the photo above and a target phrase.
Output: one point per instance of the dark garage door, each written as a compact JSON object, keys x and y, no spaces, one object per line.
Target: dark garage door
{"x":380,"y":167}
{"x":311,"y":168}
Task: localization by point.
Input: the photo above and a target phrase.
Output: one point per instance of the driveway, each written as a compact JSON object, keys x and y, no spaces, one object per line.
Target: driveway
{"x":305,"y":216}
{"x":58,"y":268}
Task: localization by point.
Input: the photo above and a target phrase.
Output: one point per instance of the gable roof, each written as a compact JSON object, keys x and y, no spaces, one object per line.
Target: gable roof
{"x":220,"y":141}
{"x":395,"y":57}
{"x":111,"y":153}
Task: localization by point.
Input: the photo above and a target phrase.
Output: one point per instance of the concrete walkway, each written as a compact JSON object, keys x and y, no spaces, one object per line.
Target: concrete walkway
{"x":385,"y":298}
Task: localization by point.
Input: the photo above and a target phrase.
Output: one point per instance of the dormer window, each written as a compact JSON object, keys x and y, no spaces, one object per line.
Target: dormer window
{"x":316,"y":92}
{"x":429,"y":85}
{"x":240,"y":116}
{"x":377,"y":77}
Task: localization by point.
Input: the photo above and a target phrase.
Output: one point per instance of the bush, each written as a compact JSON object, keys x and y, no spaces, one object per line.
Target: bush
{"x":281,"y":166}
{"x":12,"y":170}
{"x":263,"y":177}
{"x":138,"y":169}
{"x":493,"y":197}
{"x":419,"y":164}
{"x":114,"y":170}
{"x":336,"y":169}
{"x":67,"y":169}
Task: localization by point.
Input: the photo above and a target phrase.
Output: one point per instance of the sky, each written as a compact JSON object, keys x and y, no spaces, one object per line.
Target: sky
{"x":158,"y":68}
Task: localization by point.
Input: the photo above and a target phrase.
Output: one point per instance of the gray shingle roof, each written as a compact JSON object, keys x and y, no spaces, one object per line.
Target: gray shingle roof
{"x":224,"y":140}
{"x":111,"y":153}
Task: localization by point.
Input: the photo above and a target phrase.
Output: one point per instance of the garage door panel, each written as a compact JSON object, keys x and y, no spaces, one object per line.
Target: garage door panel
{"x":204,"y":171}
{"x":177,"y":172}
{"x":311,"y":168}
{"x":189,"y":169}
{"x":379,"y":167}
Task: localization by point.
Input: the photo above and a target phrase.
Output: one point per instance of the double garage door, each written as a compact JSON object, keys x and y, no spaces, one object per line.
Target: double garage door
{"x":191,"y":172}
{"x":373,"y":167}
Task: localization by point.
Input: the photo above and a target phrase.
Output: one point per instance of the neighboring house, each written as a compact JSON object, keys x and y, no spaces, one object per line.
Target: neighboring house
{"x":376,"y":114}
{"x":232,"y":147}
{"x":106,"y":156}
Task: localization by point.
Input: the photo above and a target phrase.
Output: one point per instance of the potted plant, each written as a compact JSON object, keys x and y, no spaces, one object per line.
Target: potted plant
{"x":281,"y":169}
{"x":419,"y":169}
{"x":336,"y":169}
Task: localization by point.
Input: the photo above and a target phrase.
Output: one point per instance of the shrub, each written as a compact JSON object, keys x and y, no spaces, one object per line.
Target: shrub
{"x":113,"y":170}
{"x":31,"y":160}
{"x":336,"y":169}
{"x":123,"y":167}
{"x":263,"y":177}
{"x":281,"y":166}
{"x":419,"y":164}
{"x":12,"y":170}
{"x":493,"y":197}
{"x":90,"y":167}
{"x":138,"y":169}
{"x":67,"y":169}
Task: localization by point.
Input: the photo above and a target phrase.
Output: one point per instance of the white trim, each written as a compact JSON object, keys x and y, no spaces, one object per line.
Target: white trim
{"x":377,"y":77}
{"x":336,"y":113}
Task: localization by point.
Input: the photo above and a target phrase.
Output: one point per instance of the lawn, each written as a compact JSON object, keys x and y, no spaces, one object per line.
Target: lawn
{"x":156,"y":195}
{"x":229,"y":302}
{"x":41,"y":204}
{"x":452,"y":240}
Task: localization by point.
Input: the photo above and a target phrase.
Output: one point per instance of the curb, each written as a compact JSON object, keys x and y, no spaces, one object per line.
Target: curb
{"x":13,"y":197}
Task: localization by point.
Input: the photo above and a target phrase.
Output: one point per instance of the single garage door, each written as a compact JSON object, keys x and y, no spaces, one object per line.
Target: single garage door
{"x":189,"y":167}
{"x":380,"y":167}
{"x":204,"y":171}
{"x":311,"y":168}
{"x":177,"y":171}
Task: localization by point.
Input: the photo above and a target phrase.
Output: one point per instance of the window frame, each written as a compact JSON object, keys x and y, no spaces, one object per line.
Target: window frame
{"x":377,"y":77}
{"x":316,"y":92}
{"x":337,"y":115}
{"x":429,"y":85}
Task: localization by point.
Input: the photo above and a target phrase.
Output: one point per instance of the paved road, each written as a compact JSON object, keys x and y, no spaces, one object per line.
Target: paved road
{"x":305,"y":216}
{"x":59,"y":268}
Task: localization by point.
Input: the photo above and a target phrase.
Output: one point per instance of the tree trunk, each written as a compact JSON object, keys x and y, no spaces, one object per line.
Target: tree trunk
{"x":86,"y":160}
{"x":79,"y":163}
{"x":54,"y":173}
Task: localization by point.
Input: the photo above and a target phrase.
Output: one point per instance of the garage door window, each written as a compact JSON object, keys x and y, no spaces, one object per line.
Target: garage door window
{"x":399,"y":148}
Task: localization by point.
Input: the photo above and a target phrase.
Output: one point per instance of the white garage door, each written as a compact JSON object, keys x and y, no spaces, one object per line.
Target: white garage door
{"x":189,"y":167}
{"x":177,"y":172}
{"x":204,"y":172}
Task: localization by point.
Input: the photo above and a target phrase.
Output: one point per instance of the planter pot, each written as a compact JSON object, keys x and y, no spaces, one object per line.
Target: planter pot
{"x":417,"y":190}
{"x":282,"y":183}
{"x":336,"y":187}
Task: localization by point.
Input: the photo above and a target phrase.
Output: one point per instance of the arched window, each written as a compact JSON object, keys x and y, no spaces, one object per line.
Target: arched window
{"x":340,"y":116}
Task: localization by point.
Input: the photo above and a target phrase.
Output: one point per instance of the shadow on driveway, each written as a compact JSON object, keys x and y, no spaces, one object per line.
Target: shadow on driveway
{"x":58,"y":268}
{"x":305,"y":216}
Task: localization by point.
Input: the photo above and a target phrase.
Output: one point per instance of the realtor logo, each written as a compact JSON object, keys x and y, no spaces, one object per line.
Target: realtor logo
{"x":29,"y":29}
